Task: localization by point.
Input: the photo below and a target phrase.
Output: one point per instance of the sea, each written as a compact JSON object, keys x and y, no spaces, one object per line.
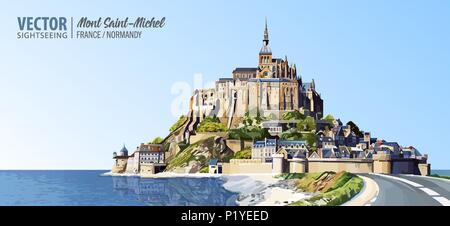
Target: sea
{"x":89,"y":188}
{"x":441,"y":172}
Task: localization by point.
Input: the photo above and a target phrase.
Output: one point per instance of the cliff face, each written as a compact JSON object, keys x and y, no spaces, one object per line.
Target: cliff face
{"x":196,"y":156}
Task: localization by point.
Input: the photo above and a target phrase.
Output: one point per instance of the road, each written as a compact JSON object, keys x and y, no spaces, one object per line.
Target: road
{"x":410,"y":190}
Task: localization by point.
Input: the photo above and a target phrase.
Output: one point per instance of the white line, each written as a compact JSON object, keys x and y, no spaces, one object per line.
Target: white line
{"x":368,"y":204}
{"x":429,"y":192}
{"x":414,"y":184}
{"x":442,"y":200}
{"x":374,"y":199}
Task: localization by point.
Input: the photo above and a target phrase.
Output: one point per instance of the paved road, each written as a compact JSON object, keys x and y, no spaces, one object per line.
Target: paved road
{"x":407,"y":190}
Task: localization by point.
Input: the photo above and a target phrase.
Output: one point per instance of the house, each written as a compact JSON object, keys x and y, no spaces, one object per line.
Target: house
{"x":151,"y":153}
{"x":411,"y":153}
{"x":120,"y":160}
{"x":330,"y":152}
{"x":314,"y":155}
{"x":325,"y":141}
{"x":277,"y":127}
{"x":322,"y":125}
{"x":264,"y":149}
{"x":214,"y":166}
{"x":294,"y":148}
{"x":344,"y":136}
{"x":357,"y":153}
{"x":344,"y":151}
{"x":363,"y":144}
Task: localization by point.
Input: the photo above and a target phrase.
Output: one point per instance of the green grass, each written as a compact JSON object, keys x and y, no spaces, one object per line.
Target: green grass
{"x":334,"y":188}
{"x":205,"y":169}
{"x":178,"y":123}
{"x":190,"y":153}
{"x":244,"y":154}
{"x":440,"y":176}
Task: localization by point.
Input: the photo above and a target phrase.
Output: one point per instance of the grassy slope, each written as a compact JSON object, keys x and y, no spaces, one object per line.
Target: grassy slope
{"x":183,"y":157}
{"x":333,"y":188}
{"x":190,"y":154}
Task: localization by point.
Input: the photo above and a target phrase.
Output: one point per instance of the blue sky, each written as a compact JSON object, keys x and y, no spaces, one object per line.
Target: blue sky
{"x":68,"y":104}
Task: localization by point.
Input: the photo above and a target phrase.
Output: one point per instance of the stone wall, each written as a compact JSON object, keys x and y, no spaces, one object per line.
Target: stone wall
{"x":235,"y":145}
{"x":201,"y":136}
{"x":382,"y":163}
{"x":238,"y":166}
{"x":424,"y":169}
{"x":297,"y":165}
{"x":147,"y":169}
{"x":120,"y":166}
{"x":337,"y":165}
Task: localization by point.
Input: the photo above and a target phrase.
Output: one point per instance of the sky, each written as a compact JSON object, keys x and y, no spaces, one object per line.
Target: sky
{"x":68,"y":104}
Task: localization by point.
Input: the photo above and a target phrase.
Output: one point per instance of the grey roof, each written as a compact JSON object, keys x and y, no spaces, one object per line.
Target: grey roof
{"x":213,"y":161}
{"x":326,"y":139}
{"x":322,"y":122}
{"x":298,"y":154}
{"x":327,"y":153}
{"x":124,"y":151}
{"x":245,"y":69}
{"x":269,"y":80}
{"x":265,"y":50}
{"x":265,"y":143}
{"x":292,"y":142}
{"x":226,"y":79}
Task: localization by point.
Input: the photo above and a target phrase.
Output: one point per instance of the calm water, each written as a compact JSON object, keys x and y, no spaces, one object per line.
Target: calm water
{"x":441,"y":172}
{"x":89,"y":188}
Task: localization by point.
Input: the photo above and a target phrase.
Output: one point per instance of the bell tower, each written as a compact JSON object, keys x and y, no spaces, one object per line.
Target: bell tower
{"x":265,"y":57}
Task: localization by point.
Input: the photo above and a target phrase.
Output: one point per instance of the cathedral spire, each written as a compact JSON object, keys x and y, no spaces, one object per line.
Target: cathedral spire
{"x":266,"y":35}
{"x":265,"y":48}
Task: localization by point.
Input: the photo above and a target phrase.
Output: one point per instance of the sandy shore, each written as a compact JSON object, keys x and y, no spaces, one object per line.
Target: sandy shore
{"x":262,"y":190}
{"x":253,"y":189}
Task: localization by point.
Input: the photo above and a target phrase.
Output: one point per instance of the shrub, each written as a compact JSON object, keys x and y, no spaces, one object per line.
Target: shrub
{"x":205,"y":169}
{"x":178,"y":123}
{"x":244,"y":154}
{"x":293,"y":115}
{"x":343,"y":187}
{"x":156,"y":140}
{"x":211,"y":124}
{"x":248,"y":133}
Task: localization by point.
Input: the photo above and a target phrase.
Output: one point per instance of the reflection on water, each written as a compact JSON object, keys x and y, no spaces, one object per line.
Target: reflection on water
{"x":176,"y":191}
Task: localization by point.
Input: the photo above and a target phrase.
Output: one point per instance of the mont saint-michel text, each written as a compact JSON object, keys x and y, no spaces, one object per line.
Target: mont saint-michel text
{"x":109,"y":22}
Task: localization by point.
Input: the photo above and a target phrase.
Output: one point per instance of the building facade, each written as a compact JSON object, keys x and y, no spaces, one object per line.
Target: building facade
{"x":271,"y":88}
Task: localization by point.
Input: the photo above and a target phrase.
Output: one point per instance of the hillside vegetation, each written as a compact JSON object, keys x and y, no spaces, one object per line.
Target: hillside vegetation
{"x":195,"y":157}
{"x":331,"y":188}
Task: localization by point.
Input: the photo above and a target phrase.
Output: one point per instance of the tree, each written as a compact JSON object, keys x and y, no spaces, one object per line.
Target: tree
{"x":249,"y":133}
{"x":156,"y":140}
{"x":293,"y":115}
{"x":178,"y":123}
{"x":329,"y":118}
{"x":310,"y":139}
{"x":355,"y":129}
{"x":307,"y":124}
{"x":244,"y":154}
{"x":292,"y":134}
{"x":211,"y":125}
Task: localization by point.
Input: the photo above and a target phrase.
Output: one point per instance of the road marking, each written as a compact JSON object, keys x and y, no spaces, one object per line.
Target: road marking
{"x":429,"y":192}
{"x":374,"y":199}
{"x":436,"y":196}
{"x":414,"y":184}
{"x":442,"y":200}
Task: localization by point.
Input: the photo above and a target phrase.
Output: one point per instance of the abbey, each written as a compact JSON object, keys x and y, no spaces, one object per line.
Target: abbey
{"x":270,"y":89}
